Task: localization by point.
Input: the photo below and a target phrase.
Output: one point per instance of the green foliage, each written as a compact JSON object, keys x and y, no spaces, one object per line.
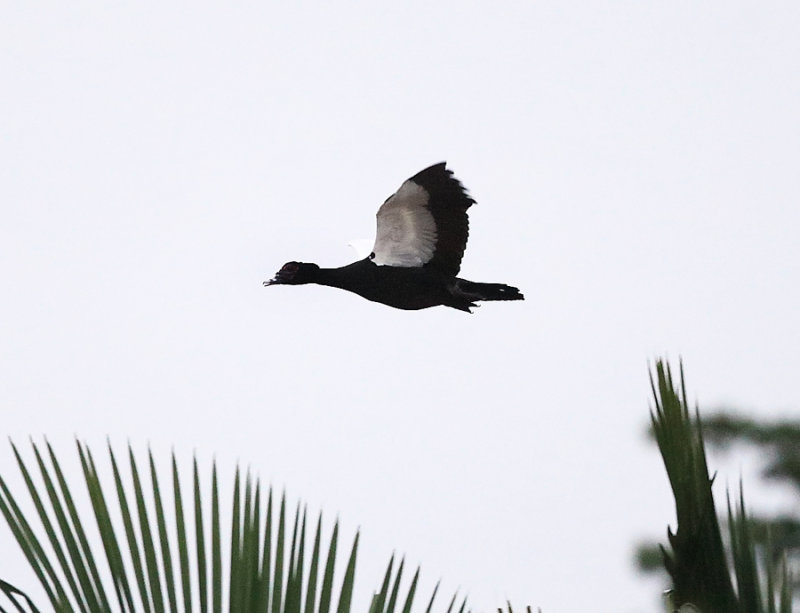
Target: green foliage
{"x":696,"y":561}
{"x":778,"y":444}
{"x":158,"y":559}
{"x":779,"y":441}
{"x":152,"y":565}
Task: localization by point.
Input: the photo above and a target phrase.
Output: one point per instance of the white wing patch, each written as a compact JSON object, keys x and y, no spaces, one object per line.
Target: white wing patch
{"x":406,"y":234}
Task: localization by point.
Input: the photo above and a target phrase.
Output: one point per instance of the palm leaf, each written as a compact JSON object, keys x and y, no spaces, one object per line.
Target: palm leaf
{"x":697,"y":560}
{"x":346,"y":594}
{"x":311,"y":590}
{"x":130,"y":535}
{"x":18,"y":599}
{"x":148,"y":566}
{"x":62,"y":601}
{"x":183,"y":549}
{"x":202,"y":576}
{"x":107,"y":534}
{"x":166,"y":555}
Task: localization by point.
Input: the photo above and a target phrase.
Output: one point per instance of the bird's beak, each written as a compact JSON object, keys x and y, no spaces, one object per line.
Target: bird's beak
{"x":272,"y":281}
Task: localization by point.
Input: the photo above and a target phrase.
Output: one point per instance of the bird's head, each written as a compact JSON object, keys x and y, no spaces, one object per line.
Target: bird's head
{"x":294,"y":273}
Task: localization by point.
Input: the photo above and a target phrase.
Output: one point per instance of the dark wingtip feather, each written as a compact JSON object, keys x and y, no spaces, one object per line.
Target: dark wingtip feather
{"x":449,"y":202}
{"x":439,"y":176}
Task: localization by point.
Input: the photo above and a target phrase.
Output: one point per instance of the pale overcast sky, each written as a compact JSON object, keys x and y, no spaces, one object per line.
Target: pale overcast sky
{"x":635,"y":166}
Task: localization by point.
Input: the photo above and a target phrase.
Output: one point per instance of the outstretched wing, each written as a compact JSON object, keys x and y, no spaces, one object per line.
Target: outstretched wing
{"x":424,"y":223}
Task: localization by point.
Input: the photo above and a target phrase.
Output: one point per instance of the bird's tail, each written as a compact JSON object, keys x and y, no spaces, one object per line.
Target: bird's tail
{"x":487,"y":291}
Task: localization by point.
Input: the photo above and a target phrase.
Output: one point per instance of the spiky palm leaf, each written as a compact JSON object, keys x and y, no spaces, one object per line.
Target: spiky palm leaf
{"x":151,"y":562}
{"x":696,"y":560}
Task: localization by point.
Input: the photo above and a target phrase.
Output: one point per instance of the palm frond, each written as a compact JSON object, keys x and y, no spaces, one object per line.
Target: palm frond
{"x":150,"y":562}
{"x":16,"y":598}
{"x":697,"y":561}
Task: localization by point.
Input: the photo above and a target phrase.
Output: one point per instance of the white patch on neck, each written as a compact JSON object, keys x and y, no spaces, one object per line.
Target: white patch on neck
{"x":362,"y":247}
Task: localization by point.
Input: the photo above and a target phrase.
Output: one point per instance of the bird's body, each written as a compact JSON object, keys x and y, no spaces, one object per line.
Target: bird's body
{"x":421,"y":236}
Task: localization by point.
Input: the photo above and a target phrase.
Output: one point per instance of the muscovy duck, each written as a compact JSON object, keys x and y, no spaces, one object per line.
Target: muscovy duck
{"x":421,"y":237}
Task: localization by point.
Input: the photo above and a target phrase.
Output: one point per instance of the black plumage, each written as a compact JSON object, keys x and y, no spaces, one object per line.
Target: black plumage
{"x":422,"y":233}
{"x":448,"y":203}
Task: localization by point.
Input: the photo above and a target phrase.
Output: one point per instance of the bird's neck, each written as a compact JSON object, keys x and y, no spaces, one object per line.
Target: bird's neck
{"x":346,"y":277}
{"x":327,"y":276}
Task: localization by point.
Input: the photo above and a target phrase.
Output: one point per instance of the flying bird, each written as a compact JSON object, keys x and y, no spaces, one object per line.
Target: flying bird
{"x":421,"y":237}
